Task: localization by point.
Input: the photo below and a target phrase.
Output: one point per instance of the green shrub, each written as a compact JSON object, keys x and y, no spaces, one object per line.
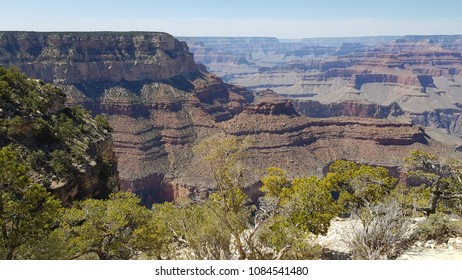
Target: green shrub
{"x":18,"y":127}
{"x":36,"y":159}
{"x":65,"y":127}
{"x":42,"y":131}
{"x":80,"y":113}
{"x":61,"y":162}
{"x":438,"y":227}
{"x":103,"y":122}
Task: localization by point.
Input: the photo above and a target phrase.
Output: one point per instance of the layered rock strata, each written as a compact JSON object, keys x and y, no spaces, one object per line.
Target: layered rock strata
{"x":160,"y":105}
{"x":74,"y":58}
{"x":421,"y":74}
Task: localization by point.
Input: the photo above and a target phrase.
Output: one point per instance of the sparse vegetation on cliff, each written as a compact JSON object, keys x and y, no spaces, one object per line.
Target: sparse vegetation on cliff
{"x":62,"y":146}
{"x":48,"y":153}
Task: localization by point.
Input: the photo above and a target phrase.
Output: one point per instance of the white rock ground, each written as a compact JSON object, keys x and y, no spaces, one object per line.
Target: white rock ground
{"x":340,"y":229}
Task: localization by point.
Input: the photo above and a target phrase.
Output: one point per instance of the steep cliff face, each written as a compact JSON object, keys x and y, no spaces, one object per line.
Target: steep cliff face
{"x":156,"y":100}
{"x":449,"y":120}
{"x":160,"y":105}
{"x":422,"y":81}
{"x":155,"y":147}
{"x":73,"y":58}
{"x":316,"y":109}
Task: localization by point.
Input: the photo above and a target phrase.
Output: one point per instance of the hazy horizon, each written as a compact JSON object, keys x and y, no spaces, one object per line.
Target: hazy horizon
{"x":198,"y":36}
{"x":290,"y":19}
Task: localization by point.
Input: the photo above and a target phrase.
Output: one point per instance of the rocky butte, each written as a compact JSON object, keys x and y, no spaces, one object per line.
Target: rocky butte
{"x":160,"y":104}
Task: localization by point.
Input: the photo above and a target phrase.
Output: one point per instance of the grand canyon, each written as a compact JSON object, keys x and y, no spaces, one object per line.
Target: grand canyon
{"x":102,"y":146}
{"x":305,"y":103}
{"x":416,"y":78}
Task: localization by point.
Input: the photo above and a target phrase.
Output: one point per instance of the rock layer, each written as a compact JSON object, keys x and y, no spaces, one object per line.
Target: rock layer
{"x":421,"y":74}
{"x":160,"y":105}
{"x":72,"y":58}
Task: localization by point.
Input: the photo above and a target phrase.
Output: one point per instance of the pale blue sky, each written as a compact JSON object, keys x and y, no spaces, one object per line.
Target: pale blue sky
{"x":283,"y":19}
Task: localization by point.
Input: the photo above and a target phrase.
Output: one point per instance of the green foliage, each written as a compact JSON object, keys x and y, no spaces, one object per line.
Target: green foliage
{"x":37,"y":128}
{"x":79,"y":114}
{"x":43,"y":142}
{"x":103,"y":122}
{"x":27,"y":220}
{"x":280,"y":229}
{"x":53,"y":246}
{"x":155,"y":238}
{"x":441,"y":179}
{"x":290,"y":214}
{"x":411,"y":198}
{"x":65,"y":127}
{"x":274,"y":182}
{"x":196,"y":230}
{"x":17,"y":127}
{"x":61,"y":162}
{"x":37,"y":159}
{"x":230,"y":200}
{"x":108,"y":229}
{"x":28,"y":212}
{"x":223,"y":154}
{"x":13,"y":174}
{"x":359,"y":184}
{"x":20,"y":94}
{"x":285,"y":240}
{"x":31,"y":117}
{"x":42,"y":131}
{"x":310,"y":204}
{"x":438,"y":227}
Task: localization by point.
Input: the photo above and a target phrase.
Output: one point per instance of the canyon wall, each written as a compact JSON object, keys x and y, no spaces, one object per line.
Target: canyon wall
{"x":72,"y":58}
{"x":160,"y":104}
{"x":353,"y":76}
